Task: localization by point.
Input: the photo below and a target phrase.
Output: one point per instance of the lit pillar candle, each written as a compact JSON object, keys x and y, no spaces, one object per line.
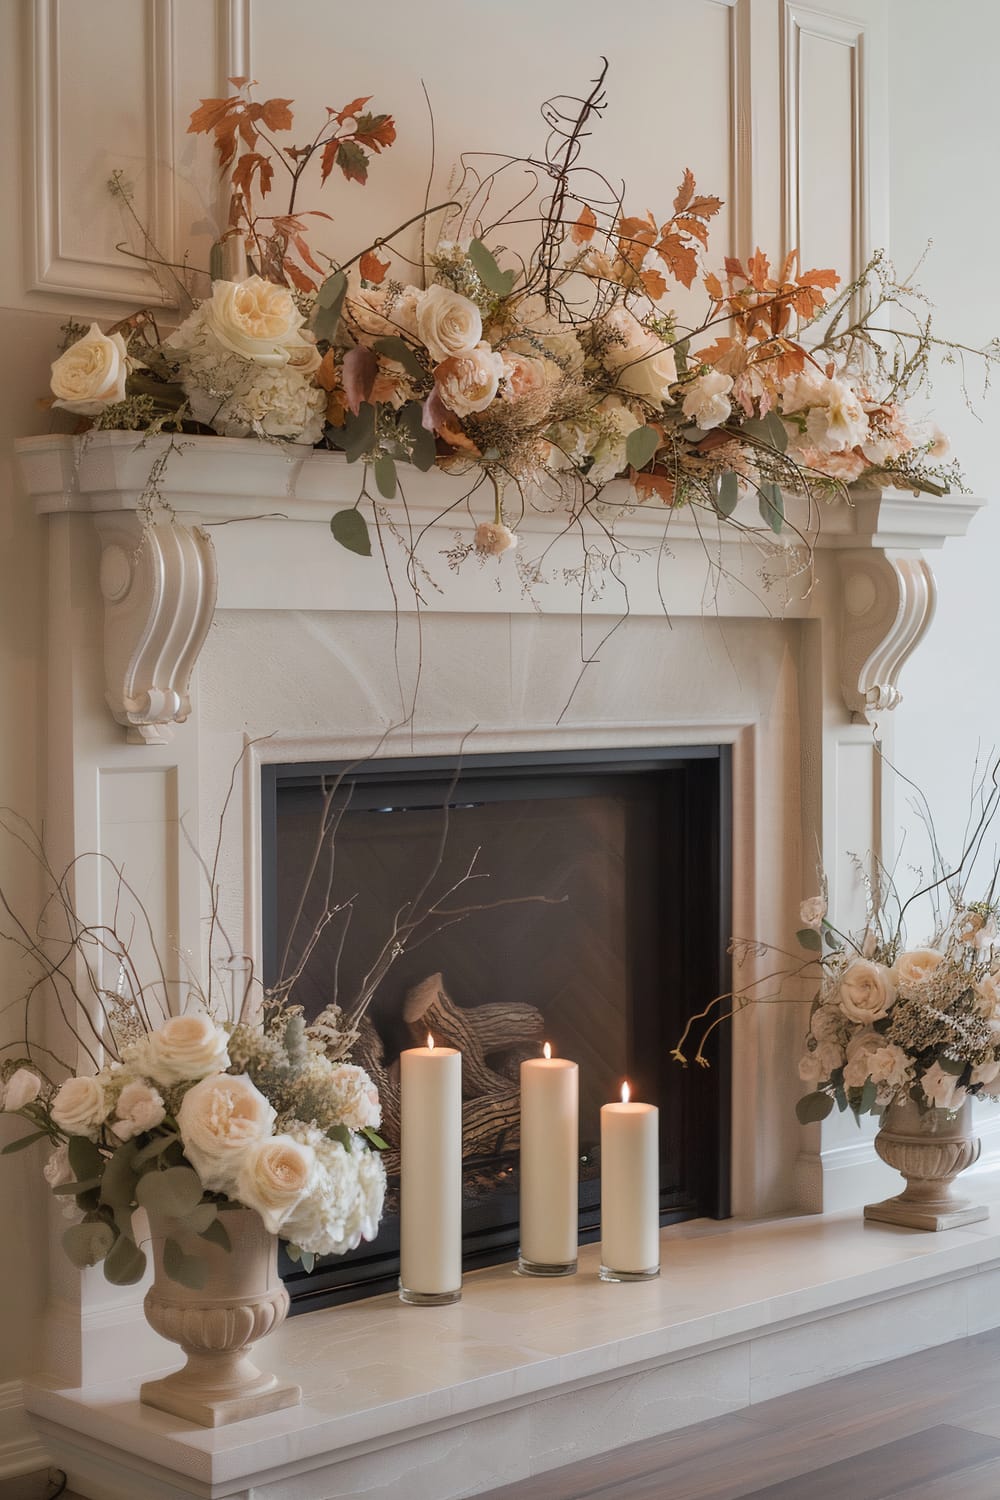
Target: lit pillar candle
{"x":430,"y":1174}
{"x":630,"y":1191}
{"x":550,"y":1156}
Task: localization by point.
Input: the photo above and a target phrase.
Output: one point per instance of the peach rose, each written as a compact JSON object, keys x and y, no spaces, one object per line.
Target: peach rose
{"x":184,"y":1048}
{"x":275,"y":1176}
{"x":469,"y":382}
{"x":867,"y":991}
{"x":220,"y":1120}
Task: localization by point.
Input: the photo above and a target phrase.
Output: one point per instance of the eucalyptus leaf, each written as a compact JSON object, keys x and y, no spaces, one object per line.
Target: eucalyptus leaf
{"x":201,"y":1218}
{"x":832,"y":941}
{"x":728,"y":493}
{"x":809,"y":938}
{"x":640,"y":445}
{"x":358,"y":432}
{"x":66,"y":1189}
{"x":172,"y":1194}
{"x":124,"y":1263}
{"x":350,"y":529}
{"x":217,"y":1234}
{"x":812,"y":1107}
{"x":86,"y":1244}
{"x":188,"y":1270}
{"x":23,"y":1142}
{"x":329,"y":305}
{"x":375,"y":1139}
{"x":84,"y":1158}
{"x":308,"y":1261}
{"x":950,"y":1065}
{"x":385,"y":477}
{"x":340,"y":1133}
{"x":399,"y":350}
{"x":681,"y":351}
{"x":867,"y":1097}
{"x":777,"y":431}
{"x":772,"y":505}
{"x":215,"y":261}
{"x":154,"y":1148}
{"x":424,"y":451}
{"x":489,"y":273}
{"x":294,"y":1253}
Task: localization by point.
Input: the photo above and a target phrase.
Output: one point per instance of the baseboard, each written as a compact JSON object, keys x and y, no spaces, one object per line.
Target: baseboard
{"x":20,"y":1450}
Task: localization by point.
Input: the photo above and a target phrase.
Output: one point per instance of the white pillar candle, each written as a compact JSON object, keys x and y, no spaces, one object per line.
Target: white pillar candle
{"x":630,"y":1190}
{"x":550,"y":1157}
{"x":430,"y":1191}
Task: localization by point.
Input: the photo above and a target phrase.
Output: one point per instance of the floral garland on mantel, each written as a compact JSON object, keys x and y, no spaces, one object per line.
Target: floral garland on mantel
{"x":541,"y":375}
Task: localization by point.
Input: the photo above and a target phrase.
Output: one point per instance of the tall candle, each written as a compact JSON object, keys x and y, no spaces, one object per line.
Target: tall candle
{"x":630,"y":1191}
{"x":550,"y":1157}
{"x":430,"y":1189}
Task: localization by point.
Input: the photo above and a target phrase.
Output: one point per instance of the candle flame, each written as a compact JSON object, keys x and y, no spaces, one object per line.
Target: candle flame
{"x":546,"y":1050}
{"x":430,"y":1041}
{"x":626,"y":1093}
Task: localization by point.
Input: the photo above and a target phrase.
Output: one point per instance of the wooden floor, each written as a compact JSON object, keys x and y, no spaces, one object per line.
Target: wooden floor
{"x":922,"y":1428}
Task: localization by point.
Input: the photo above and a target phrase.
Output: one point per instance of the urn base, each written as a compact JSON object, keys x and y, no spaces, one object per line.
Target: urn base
{"x":922,"y":1216}
{"x":269,"y":1394}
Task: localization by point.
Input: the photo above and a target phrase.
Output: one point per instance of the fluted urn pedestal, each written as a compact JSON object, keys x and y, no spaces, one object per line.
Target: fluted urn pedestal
{"x":930,"y":1148}
{"x":243,"y":1299}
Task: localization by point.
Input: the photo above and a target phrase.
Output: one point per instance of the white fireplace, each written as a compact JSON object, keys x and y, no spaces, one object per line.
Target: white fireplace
{"x":226,"y":622}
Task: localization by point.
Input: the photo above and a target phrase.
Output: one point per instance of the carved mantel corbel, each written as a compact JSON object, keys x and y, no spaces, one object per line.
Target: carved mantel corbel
{"x":889,"y":599}
{"x":158,"y":580}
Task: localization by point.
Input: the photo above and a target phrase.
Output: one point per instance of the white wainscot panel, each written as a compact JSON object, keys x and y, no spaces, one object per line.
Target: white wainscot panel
{"x":111,"y":85}
{"x":825,"y":139}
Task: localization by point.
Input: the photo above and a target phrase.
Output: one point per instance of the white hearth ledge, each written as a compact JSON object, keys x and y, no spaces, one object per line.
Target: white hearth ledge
{"x":522,"y":1377}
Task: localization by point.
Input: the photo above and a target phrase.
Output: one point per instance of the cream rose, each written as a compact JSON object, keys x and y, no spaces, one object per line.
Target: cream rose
{"x":357,"y":1097}
{"x":812,"y":912}
{"x":91,"y":374}
{"x":915,"y":967}
{"x":707,"y":401}
{"x":447,"y":323}
{"x":220,"y":1119}
{"x":275,"y":1176}
{"x":643,"y":363}
{"x":888,"y":1065}
{"x":492,"y":539}
{"x":469,"y":382}
{"x":80,"y":1106}
{"x":524,"y":375}
{"x":988,"y":996}
{"x":860,"y":1050}
{"x":255,"y":319}
{"x":185,"y":1048}
{"x":867,"y":991}
{"x":22,"y":1087}
{"x":139,"y":1108}
{"x":827,"y":1024}
{"x":941,"y":1088}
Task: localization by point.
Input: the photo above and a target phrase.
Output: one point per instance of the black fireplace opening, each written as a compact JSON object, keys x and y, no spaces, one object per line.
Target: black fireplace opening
{"x":625,"y":858}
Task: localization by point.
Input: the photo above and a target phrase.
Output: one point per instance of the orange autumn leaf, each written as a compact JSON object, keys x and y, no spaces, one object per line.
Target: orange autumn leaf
{"x":300,"y":244}
{"x":653,"y":284}
{"x":758,"y":268}
{"x":209,"y":114}
{"x":727,"y":355}
{"x":276,"y":114}
{"x":635,"y":236}
{"x":583,"y":230}
{"x":685,"y":225}
{"x":713,"y":287}
{"x":706,"y":207}
{"x":249,"y":163}
{"x":647,"y":484}
{"x":828,"y":278}
{"x":350,"y":110}
{"x":685,"y":192}
{"x":734,"y":269}
{"x":375,"y":131}
{"x":297,"y":276}
{"x":372,"y":269}
{"x":326,"y":376}
{"x":679,"y":258}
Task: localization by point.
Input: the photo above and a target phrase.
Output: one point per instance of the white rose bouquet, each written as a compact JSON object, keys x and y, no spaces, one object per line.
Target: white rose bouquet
{"x":890,"y":1020}
{"x":195,"y":1117}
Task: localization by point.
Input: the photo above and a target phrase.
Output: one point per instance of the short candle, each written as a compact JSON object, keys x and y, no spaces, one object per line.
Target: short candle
{"x":550,"y":1165}
{"x":630,"y":1190}
{"x":430,"y":1175}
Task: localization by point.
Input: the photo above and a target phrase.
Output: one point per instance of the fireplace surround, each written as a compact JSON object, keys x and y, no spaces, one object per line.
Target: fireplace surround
{"x":261,"y":643}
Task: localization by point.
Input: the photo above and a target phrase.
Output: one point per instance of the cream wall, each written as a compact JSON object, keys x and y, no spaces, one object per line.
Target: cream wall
{"x":944,"y":77}
{"x":674,"y":59}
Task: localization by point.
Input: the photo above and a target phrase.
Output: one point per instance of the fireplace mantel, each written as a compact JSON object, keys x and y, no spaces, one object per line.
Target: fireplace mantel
{"x":191,"y":524}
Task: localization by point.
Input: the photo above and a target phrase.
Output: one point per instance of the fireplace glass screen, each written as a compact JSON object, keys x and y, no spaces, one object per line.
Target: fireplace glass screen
{"x":575,"y":899}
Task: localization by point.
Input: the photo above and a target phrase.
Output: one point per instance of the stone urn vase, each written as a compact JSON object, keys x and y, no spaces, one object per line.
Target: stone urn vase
{"x":930,"y":1148}
{"x":242,"y":1299}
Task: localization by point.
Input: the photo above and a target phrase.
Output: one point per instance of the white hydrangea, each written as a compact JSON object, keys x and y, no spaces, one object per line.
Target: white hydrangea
{"x":237,"y":396}
{"x":344,"y":1205}
{"x":356,"y":1097}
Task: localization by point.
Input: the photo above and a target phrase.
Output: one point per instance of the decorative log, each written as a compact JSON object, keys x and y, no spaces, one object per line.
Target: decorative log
{"x":429,"y":1008}
{"x":492,"y":1124}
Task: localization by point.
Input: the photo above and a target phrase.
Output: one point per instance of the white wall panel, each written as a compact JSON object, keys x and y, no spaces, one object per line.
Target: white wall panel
{"x":825,"y":130}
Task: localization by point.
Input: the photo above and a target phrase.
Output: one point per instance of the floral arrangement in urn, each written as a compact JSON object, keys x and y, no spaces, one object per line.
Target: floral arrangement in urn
{"x":543,"y":371}
{"x":894,"y":1021}
{"x":195,"y":1117}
